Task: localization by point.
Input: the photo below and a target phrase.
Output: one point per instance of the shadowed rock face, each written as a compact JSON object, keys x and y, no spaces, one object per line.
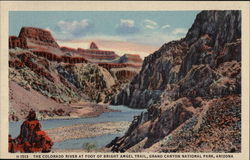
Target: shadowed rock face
{"x":214,"y":38}
{"x":133,"y":58}
{"x":17,"y":42}
{"x":184,"y":85}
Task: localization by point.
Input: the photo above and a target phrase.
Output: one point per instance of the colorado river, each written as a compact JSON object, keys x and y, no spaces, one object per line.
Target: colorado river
{"x":125,"y":114}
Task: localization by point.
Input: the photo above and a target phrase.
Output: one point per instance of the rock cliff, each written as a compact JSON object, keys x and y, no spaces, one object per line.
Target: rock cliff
{"x":38,"y":36}
{"x":35,"y":39}
{"x":93,"y":46}
{"x":192,"y":89}
{"x":214,"y":38}
{"x":96,"y":55}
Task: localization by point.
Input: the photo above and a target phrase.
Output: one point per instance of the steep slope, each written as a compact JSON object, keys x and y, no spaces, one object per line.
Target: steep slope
{"x":214,"y":38}
{"x":192,"y":89}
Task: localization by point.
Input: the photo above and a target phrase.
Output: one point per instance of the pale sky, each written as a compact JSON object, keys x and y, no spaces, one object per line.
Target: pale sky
{"x":140,"y":31}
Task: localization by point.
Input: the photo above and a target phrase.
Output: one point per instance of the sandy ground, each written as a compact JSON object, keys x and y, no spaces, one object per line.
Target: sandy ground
{"x":86,"y":130}
{"x":22,"y":100}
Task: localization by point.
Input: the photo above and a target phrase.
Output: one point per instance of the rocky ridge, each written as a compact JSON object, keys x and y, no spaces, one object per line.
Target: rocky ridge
{"x":192,"y":89}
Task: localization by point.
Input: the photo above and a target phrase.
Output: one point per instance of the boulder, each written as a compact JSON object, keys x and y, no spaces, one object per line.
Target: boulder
{"x":31,"y":138}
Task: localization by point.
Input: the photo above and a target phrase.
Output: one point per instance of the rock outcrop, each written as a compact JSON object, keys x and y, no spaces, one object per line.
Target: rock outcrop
{"x":210,"y":41}
{"x":38,"y":36}
{"x":93,"y":54}
{"x":94,"y":81}
{"x":35,"y":39}
{"x":55,"y":58}
{"x":69,"y":51}
{"x":31,"y":138}
{"x":192,"y":89}
{"x":96,"y":55}
{"x":17,"y":42}
{"x":130,"y":58}
{"x":93,"y":46}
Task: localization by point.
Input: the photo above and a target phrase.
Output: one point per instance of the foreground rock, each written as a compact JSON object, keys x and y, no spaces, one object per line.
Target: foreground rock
{"x":192,"y":89}
{"x":31,"y":138}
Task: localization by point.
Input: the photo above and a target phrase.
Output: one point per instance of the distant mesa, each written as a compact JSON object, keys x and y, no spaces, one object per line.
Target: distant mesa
{"x":42,"y":42}
{"x":35,"y":39}
{"x":38,"y":36}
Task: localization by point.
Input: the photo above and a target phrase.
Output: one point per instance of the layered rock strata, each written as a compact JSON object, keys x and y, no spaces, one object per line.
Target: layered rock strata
{"x":192,"y":89}
{"x":213,"y":39}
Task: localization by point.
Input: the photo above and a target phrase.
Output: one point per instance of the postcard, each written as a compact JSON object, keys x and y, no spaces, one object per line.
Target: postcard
{"x":125,"y":80}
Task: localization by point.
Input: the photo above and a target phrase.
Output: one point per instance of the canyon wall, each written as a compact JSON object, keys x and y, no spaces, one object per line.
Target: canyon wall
{"x":192,"y":89}
{"x":214,"y":38}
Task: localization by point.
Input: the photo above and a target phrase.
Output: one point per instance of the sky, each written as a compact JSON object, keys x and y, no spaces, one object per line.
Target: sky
{"x":141,"y":31}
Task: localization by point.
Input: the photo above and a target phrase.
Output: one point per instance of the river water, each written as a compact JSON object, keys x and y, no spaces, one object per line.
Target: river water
{"x":125,"y":114}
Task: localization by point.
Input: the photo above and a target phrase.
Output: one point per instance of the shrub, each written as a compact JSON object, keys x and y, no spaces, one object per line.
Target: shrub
{"x":89,"y":146}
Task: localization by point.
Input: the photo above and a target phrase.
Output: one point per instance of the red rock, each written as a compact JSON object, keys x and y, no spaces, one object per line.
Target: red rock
{"x":38,"y":36}
{"x":31,"y":138}
{"x":17,"y":42}
{"x":93,"y":46}
{"x":16,"y":64}
{"x":67,"y":49}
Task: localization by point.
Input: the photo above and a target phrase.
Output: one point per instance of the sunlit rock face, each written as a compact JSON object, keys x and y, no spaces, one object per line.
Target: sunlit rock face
{"x":38,"y":36}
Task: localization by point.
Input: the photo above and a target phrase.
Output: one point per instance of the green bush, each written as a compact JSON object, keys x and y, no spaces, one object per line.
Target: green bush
{"x":89,"y":146}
